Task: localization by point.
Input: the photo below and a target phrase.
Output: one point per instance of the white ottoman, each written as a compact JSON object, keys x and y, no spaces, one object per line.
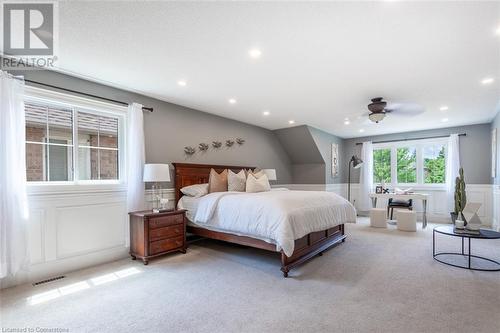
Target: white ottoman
{"x":378,"y":218}
{"x":406,"y":220}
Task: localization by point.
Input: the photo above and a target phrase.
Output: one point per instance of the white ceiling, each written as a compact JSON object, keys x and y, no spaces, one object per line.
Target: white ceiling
{"x":321,"y":62}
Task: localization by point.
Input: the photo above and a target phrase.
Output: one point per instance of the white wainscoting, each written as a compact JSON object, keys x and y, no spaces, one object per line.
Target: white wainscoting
{"x":70,"y":230}
{"x":436,"y":207}
{"x":496,"y":208}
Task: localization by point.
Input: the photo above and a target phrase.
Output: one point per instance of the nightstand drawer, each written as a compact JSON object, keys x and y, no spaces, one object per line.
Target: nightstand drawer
{"x":166,"y":245}
{"x":163,"y":221}
{"x":166,"y":232}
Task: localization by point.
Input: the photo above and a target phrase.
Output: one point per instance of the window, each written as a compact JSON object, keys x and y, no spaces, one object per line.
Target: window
{"x":410,"y":162}
{"x":382,"y":165}
{"x":49,"y":143}
{"x":97,"y":147}
{"x":70,"y":143}
{"x":434,"y":164}
{"x":407,"y":164}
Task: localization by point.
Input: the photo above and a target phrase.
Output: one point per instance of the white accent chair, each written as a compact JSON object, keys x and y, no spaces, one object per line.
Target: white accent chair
{"x":406,"y":220}
{"x":378,"y":218}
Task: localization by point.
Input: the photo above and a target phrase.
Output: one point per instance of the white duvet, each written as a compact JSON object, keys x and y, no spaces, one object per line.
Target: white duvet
{"x":280,"y":216}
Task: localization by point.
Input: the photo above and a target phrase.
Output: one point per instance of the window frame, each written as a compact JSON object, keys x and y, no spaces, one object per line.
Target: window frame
{"x":76,"y":103}
{"x":419,"y":145}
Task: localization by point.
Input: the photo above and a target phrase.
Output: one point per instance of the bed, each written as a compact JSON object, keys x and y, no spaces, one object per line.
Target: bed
{"x":326,"y":234}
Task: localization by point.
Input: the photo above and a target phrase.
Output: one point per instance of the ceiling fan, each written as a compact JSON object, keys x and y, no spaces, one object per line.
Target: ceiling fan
{"x":379,"y":109}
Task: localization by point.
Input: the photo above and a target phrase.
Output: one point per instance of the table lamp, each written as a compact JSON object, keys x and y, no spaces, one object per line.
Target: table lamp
{"x":156,"y":173}
{"x":270,"y":173}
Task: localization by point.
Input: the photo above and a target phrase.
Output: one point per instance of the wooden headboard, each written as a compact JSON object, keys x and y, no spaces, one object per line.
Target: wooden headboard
{"x":189,"y":174}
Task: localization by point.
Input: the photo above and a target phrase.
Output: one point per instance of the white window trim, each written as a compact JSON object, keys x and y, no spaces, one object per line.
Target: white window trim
{"x":33,"y":94}
{"x":418,"y":144}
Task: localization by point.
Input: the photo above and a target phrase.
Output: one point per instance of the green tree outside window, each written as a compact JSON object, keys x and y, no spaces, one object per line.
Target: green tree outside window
{"x":382,"y":165}
{"x":434,"y":164}
{"x":407,"y":164}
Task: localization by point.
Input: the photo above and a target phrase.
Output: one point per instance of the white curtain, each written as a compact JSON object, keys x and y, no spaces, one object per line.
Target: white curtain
{"x":452,"y":168}
{"x":13,"y":199}
{"x":135,"y":158}
{"x":366,"y":177}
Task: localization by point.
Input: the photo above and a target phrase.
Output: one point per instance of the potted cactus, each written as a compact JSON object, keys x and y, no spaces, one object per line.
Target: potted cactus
{"x":460,"y":198}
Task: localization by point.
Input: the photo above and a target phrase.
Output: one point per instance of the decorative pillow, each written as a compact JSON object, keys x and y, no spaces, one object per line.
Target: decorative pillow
{"x":236,"y":181}
{"x":217,"y":182}
{"x":257,"y":184}
{"x":197,"y":190}
{"x":257,"y":173}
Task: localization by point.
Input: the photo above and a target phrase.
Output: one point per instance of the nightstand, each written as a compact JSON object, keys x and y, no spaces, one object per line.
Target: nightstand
{"x":155,"y":234}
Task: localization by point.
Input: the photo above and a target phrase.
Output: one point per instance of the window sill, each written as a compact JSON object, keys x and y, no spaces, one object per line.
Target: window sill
{"x":41,"y":188}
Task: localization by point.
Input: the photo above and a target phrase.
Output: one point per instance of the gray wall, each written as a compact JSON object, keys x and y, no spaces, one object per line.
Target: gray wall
{"x":475,"y":149}
{"x":171,"y":127}
{"x":310,"y":151}
{"x":308,"y":166}
{"x":496,"y":124}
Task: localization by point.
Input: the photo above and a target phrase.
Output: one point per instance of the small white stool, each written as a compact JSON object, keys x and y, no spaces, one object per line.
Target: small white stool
{"x":378,"y":218}
{"x":406,"y":220}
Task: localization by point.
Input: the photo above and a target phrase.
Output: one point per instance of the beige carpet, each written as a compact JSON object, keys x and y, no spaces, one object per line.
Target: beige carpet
{"x":377,"y":281}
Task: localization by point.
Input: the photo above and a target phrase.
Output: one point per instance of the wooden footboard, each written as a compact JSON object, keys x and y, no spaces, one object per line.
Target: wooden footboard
{"x":311,"y":245}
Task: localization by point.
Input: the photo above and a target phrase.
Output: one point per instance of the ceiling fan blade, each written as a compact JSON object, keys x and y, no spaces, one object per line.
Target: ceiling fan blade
{"x":405,"y":109}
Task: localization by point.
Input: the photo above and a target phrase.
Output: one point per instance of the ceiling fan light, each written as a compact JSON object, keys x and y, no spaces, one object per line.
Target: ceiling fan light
{"x":376,"y":117}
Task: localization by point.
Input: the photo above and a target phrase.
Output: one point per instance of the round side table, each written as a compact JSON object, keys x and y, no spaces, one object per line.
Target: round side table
{"x":450,"y":231}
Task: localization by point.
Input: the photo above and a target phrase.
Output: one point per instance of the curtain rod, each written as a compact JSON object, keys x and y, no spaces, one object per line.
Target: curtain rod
{"x":82,"y":93}
{"x":411,"y":139}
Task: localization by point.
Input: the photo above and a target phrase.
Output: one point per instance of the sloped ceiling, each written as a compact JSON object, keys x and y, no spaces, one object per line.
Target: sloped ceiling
{"x":299,"y":145}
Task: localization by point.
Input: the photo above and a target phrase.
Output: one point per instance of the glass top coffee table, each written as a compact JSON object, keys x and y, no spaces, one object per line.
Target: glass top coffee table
{"x":480,"y":263}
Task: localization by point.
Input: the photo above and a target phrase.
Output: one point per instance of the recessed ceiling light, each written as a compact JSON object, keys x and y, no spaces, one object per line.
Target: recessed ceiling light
{"x":255,"y":53}
{"x":361,"y":130}
{"x":487,"y":80}
{"x":182,"y":83}
{"x":443,"y":108}
{"x":498,"y":30}
{"x":444,"y":120}
{"x":291,"y":122}
{"x":346,"y":122}
{"x":266,"y":113}
{"x":232,"y":101}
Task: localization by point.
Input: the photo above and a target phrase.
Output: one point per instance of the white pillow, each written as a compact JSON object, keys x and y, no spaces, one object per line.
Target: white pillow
{"x":236,"y":181}
{"x":197,"y":190}
{"x":260,"y":184}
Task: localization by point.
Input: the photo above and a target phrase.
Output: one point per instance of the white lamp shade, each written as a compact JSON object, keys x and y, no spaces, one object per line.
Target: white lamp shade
{"x":156,"y":173}
{"x":270,"y":173}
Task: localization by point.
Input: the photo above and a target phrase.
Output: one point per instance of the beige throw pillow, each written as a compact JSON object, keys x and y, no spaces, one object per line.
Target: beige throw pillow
{"x":236,"y":181}
{"x":217,"y":182}
{"x":260,"y":184}
{"x":257,"y":173}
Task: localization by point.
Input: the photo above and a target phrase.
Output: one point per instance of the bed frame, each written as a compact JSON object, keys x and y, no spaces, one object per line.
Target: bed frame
{"x":305,"y":248}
